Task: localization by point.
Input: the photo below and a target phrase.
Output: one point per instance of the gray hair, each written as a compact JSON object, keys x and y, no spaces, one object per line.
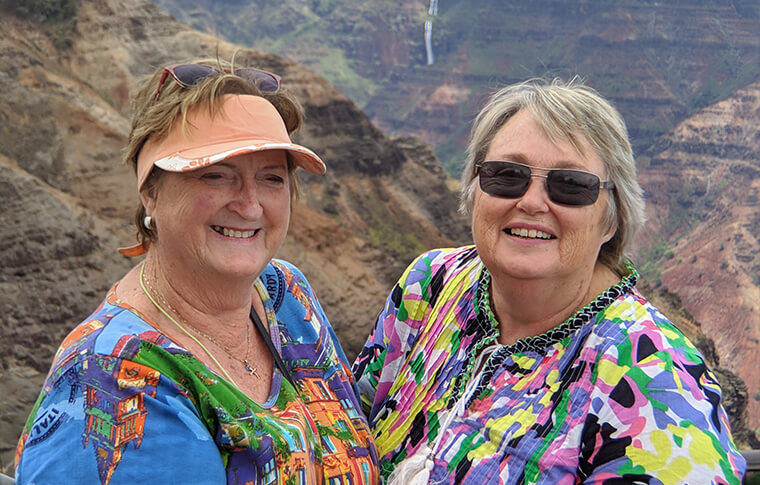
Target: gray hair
{"x":568,"y":111}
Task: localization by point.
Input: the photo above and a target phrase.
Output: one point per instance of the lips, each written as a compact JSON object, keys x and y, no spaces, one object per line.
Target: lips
{"x":529,"y":233}
{"x":234,"y":233}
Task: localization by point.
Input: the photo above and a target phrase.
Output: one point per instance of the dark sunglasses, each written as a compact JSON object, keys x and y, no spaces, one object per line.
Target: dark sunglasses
{"x":188,"y":75}
{"x":510,"y":180}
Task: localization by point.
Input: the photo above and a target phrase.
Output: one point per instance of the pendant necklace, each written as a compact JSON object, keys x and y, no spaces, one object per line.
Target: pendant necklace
{"x":248,"y":368}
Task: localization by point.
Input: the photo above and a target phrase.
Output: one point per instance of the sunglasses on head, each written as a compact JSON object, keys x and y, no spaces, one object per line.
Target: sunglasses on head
{"x":510,"y":180}
{"x":188,"y":75}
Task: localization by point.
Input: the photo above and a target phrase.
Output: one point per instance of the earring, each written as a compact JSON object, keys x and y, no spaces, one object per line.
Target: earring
{"x":147,"y":221}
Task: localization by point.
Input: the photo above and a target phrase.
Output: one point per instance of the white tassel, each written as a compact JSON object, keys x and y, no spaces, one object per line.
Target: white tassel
{"x":415,"y":470}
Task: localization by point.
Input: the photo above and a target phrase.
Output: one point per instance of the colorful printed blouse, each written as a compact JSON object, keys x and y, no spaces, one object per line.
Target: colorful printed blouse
{"x":124,"y":405}
{"x":616,"y":394}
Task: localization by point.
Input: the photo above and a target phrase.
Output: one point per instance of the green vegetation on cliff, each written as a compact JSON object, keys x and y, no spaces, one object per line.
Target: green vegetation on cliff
{"x":58,"y":16}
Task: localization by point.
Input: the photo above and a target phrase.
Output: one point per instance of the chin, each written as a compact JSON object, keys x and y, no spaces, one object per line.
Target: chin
{"x":531,"y":273}
{"x":524,"y":268}
{"x":241,"y":267}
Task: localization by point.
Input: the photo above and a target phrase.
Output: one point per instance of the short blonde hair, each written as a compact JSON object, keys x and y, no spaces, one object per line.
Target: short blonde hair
{"x":152,"y":117}
{"x":567,"y":111}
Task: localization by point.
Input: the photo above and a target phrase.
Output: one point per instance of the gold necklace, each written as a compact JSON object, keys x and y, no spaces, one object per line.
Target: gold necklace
{"x":246,"y":365}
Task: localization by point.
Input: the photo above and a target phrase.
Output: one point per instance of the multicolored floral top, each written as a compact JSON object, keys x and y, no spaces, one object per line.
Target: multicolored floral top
{"x":616,"y":394}
{"x":123,"y":405}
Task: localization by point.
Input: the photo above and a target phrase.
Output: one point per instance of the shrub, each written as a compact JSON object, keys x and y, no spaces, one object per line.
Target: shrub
{"x":58,"y":16}
{"x":48,"y":10}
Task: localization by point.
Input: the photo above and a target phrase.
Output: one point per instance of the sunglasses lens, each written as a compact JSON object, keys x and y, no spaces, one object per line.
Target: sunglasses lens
{"x":511,"y":180}
{"x":191,"y":74}
{"x":572,"y":187}
{"x":265,"y":81}
{"x":504,"y":179}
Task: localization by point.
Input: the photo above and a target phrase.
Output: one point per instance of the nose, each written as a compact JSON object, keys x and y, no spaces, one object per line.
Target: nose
{"x":246,"y":201}
{"x":535,"y":199}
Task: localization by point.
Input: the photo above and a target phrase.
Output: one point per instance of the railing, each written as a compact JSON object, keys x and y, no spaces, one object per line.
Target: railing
{"x":753,"y":460}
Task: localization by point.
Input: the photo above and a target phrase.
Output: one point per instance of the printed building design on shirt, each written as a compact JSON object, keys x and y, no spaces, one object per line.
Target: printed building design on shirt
{"x":291,"y":450}
{"x":330,"y":404}
{"x":115,"y":415}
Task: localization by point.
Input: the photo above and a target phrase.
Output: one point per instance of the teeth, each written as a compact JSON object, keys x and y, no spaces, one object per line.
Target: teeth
{"x":529,"y":233}
{"x":233,"y":233}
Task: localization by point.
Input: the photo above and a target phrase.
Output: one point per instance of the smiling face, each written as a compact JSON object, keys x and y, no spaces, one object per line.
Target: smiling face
{"x":531,"y":237}
{"x":226,"y":219}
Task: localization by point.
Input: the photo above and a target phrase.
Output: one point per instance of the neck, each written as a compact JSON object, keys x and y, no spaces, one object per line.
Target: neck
{"x":203,"y":301}
{"x":525,"y":308}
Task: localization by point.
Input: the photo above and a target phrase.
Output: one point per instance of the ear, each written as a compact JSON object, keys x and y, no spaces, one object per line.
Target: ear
{"x":148,"y":199}
{"x":610,"y":232}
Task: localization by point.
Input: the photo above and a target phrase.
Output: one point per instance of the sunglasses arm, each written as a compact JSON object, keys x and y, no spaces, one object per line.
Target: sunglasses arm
{"x":161,"y":83}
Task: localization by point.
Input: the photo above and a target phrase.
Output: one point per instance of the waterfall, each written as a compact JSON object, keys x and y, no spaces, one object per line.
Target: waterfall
{"x":433,"y":12}
{"x":428,"y":41}
{"x":433,"y":9}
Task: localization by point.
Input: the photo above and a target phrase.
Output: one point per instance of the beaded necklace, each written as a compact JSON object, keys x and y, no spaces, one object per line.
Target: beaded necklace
{"x":244,"y":361}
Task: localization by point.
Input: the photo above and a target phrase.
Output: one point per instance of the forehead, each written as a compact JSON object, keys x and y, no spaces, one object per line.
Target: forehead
{"x":522,"y":139}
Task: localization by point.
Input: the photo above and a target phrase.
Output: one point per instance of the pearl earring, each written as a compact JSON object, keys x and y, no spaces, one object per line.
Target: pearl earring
{"x":147,"y":221}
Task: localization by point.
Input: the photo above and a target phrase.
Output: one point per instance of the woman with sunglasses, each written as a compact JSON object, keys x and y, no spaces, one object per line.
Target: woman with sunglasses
{"x":210,"y":362}
{"x":530,"y":357}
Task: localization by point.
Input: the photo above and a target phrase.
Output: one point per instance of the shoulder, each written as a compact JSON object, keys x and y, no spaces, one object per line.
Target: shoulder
{"x":639,"y":320}
{"x":642,"y":347}
{"x":280,"y":275}
{"x":437,"y":290}
{"x":283,"y":267}
{"x":294,"y":302}
{"x":446,"y":257}
{"x":108,"y":331}
{"x":287,"y":288}
{"x":434,"y":267}
{"x":434,"y":278}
